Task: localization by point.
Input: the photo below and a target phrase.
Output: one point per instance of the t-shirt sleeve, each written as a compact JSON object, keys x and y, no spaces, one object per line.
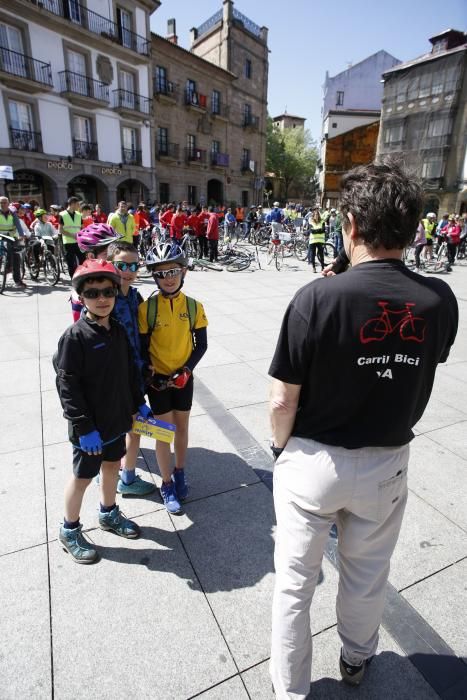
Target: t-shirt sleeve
{"x":201,"y":320}
{"x":452,"y":308}
{"x":292,"y":356}
{"x":142,"y":318}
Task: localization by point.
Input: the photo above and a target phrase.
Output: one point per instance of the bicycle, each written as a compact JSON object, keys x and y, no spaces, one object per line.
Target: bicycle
{"x":441,"y":259}
{"x":237,"y":260}
{"x":60,"y":255}
{"x":44,"y":259}
{"x":410,"y":327}
{"x":276,"y":251}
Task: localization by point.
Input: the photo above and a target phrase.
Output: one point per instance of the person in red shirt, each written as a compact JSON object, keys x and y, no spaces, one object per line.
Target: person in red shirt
{"x":193,"y":224}
{"x":87,"y":219}
{"x":142,"y":221}
{"x":28,"y":214}
{"x":453,"y":236}
{"x":179,"y":220}
{"x":212,"y":234}
{"x":54,"y":216}
{"x":203,"y":219}
{"x":99,"y":216}
{"x":165,"y":219}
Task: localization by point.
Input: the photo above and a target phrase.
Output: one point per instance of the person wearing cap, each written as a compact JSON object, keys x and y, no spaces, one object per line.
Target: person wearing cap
{"x":99,"y":389}
{"x":276,"y":217}
{"x":54,"y":216}
{"x":41,"y":228}
{"x":429,"y":224}
{"x":251,"y":219}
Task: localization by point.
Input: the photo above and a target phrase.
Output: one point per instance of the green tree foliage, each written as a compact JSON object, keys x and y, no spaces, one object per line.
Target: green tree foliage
{"x":291,"y":155}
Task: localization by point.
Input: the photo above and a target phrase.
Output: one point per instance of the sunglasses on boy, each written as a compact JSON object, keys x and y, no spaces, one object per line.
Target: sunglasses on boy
{"x":126,"y":267}
{"x":162,"y":274}
{"x":94,"y":293}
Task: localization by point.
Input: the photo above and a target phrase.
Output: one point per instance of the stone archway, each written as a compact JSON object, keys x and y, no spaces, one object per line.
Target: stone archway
{"x":133,"y":192}
{"x":29,"y":185}
{"x":88,"y":189}
{"x":215,"y":193}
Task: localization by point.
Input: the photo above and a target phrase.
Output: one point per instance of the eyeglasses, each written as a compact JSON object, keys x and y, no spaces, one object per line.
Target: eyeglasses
{"x":94,"y":293}
{"x":124,"y":266}
{"x":162,"y":274}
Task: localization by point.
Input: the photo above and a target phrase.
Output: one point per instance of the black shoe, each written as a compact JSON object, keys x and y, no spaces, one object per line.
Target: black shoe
{"x":353,"y":675}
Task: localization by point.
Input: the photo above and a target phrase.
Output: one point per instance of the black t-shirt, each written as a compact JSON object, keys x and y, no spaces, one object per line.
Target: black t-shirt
{"x":364,"y":345}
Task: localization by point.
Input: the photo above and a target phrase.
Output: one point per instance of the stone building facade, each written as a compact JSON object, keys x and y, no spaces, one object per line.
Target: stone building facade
{"x":210,"y":109}
{"x":424,"y":118}
{"x":75,"y":103}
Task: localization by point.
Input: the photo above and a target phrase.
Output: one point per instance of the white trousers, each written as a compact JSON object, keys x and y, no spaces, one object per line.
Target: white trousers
{"x":364,"y":492}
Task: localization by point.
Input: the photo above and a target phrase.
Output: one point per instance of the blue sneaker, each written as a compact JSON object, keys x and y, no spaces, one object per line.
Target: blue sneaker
{"x":116,"y":521}
{"x":181,"y":486}
{"x":138,"y":487}
{"x":74,"y":542}
{"x":169,"y":496}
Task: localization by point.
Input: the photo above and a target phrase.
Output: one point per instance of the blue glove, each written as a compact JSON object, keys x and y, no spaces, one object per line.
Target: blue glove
{"x":91,"y":443}
{"x":145,"y":411}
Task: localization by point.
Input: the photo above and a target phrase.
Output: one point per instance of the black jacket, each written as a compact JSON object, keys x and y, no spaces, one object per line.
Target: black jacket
{"x":97,"y":380}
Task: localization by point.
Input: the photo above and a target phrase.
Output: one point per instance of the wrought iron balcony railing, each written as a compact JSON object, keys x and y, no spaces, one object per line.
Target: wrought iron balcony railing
{"x":131,"y":156}
{"x":219,"y":109}
{"x":195,"y":99}
{"x":123,"y":99}
{"x":195,"y":155}
{"x":220,"y":159}
{"x":85,"y":149}
{"x":26,"y":140}
{"x":22,"y":66}
{"x":245,"y":164}
{"x":82,"y":85}
{"x":249,"y":120}
{"x":165,"y":87}
{"x":168,"y":150}
{"x":97,"y":24}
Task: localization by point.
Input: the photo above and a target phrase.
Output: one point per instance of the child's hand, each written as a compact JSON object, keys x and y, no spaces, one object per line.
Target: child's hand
{"x":179,"y":379}
{"x":91,"y":443}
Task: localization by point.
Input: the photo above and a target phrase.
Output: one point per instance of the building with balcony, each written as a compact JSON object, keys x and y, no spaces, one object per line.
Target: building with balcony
{"x":210,"y":111}
{"x":424,"y":118}
{"x":75,"y":113}
{"x":350,"y":117}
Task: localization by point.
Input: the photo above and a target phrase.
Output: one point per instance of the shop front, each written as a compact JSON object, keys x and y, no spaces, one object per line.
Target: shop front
{"x":29,"y":185}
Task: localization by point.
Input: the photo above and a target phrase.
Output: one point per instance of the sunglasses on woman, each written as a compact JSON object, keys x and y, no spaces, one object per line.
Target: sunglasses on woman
{"x":126,"y":267}
{"x":94,"y":293}
{"x":162,"y":274}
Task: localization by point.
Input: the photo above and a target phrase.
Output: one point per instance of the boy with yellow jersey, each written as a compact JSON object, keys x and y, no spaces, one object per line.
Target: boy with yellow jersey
{"x":173,"y":340}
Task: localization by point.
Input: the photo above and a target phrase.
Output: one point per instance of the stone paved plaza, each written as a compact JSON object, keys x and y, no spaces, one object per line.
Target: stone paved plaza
{"x":184,"y":611}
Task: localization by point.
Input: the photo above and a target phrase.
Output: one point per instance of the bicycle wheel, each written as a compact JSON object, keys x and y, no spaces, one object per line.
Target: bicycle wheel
{"x":238,"y":264}
{"x":301,"y":250}
{"x":51,"y":269}
{"x":3,"y":273}
{"x":279,"y":258}
{"x":329,"y":253}
{"x":208,"y":265}
{"x":32,"y":265}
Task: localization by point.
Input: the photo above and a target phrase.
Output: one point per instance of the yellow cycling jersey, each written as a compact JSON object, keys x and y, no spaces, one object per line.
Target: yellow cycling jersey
{"x":171,"y":341}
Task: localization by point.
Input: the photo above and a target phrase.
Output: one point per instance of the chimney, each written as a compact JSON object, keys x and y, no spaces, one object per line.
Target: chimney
{"x":172,"y":31}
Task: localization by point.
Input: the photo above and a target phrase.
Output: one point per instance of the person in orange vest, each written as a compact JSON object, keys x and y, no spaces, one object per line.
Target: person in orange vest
{"x":240,"y":214}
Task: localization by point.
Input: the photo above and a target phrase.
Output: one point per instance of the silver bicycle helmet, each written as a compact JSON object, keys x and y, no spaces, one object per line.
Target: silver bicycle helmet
{"x":165,"y":253}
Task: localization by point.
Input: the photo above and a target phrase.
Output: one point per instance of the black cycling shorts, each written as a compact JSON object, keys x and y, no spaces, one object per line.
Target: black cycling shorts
{"x":87,"y":466}
{"x":171,"y":399}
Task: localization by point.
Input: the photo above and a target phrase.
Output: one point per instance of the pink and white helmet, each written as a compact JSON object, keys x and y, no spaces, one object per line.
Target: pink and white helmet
{"x":96,"y":236}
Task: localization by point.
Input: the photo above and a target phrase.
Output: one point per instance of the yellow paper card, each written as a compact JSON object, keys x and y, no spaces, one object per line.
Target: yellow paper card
{"x":154,"y":428}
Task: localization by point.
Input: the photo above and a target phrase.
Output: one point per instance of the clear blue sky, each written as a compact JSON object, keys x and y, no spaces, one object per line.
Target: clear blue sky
{"x":308,"y":37}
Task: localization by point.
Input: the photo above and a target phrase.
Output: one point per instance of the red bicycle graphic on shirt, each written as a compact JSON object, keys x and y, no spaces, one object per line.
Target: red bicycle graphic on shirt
{"x":389,"y":321}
